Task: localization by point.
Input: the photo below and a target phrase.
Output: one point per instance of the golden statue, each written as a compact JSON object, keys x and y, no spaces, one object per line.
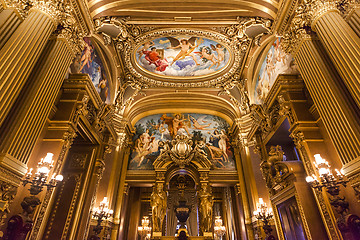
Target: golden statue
{"x":158,"y":204}
{"x":206,"y":208}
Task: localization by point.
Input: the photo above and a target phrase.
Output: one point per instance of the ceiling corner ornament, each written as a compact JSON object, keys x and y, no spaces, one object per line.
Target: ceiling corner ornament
{"x":234,"y":40}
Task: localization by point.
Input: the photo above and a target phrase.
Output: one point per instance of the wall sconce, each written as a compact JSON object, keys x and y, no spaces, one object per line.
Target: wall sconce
{"x":40,"y":178}
{"x":348,"y":224}
{"x":101,"y":213}
{"x":19,"y":229}
{"x":145,"y":229}
{"x":219,"y":228}
{"x":264,"y":214}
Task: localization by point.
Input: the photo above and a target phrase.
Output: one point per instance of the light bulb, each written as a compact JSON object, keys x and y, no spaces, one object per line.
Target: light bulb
{"x":324,"y":171}
{"x":309,"y":179}
{"x":59,"y":178}
{"x":44,"y":170}
{"x":48,"y":158}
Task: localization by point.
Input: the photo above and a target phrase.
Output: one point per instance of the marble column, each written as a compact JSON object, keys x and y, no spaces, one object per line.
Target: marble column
{"x":10,"y":20}
{"x":341,"y":43}
{"x":23,"y":126}
{"x":19,"y":55}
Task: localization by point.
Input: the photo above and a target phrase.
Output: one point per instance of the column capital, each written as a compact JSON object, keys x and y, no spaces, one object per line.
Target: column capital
{"x":317,"y":8}
{"x":70,"y":34}
{"x":298,"y":32}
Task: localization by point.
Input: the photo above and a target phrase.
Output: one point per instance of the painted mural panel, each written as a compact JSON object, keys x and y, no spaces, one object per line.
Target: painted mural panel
{"x":156,"y":131}
{"x":182,"y":56}
{"x":276,"y":62}
{"x":89,"y":62}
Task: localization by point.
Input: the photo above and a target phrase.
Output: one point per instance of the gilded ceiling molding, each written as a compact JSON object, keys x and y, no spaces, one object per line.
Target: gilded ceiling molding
{"x":136,"y":8}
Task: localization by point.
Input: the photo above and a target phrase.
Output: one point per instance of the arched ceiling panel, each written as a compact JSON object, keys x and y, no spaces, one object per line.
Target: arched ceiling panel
{"x":196,"y":10}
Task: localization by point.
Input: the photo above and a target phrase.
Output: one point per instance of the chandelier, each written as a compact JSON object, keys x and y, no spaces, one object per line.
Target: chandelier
{"x":39,"y":179}
{"x":264,"y":214}
{"x":101,"y":213}
{"x":145,"y":229}
{"x":219,"y":228}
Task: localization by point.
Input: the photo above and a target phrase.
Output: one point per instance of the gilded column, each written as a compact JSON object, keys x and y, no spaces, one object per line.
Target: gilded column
{"x":10,"y":20}
{"x":353,"y":18}
{"x":22,"y":128}
{"x":21,"y":51}
{"x":340,"y":41}
{"x":330,"y":97}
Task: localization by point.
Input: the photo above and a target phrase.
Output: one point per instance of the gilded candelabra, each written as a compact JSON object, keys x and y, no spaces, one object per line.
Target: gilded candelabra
{"x":100,"y":214}
{"x":219,"y":228}
{"x":145,"y":230}
{"x":348,"y":224}
{"x":39,"y":180}
{"x":264,"y":214}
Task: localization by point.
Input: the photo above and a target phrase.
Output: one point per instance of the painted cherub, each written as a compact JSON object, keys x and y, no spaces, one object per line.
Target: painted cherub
{"x":86,"y":57}
{"x":219,"y":49}
{"x":205,"y":53}
{"x":187,"y":47}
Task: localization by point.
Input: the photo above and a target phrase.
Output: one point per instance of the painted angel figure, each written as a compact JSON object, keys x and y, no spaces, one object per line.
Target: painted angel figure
{"x":197,"y":125}
{"x":186,"y":46}
{"x":207,"y":54}
{"x":220,"y":50}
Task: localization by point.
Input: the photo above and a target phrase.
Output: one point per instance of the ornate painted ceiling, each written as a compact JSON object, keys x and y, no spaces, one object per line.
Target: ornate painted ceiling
{"x":173,"y":53}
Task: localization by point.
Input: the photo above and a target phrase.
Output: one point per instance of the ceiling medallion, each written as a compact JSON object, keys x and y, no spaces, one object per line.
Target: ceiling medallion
{"x":183,"y":58}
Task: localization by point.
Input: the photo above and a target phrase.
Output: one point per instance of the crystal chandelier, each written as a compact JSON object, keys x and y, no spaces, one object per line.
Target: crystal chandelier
{"x":219,"y":228}
{"x":145,"y":229}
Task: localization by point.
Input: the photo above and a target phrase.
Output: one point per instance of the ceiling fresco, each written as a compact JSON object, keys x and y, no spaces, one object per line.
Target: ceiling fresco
{"x":182,"y":56}
{"x":275,"y":63}
{"x":89,"y":62}
{"x":156,"y":133}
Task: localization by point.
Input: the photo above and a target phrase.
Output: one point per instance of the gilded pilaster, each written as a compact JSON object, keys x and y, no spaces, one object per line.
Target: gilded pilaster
{"x":244,"y":194}
{"x":119,"y":197}
{"x":82,"y":217}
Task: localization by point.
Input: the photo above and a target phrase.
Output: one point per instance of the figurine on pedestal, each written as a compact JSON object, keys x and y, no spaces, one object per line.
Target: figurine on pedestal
{"x":21,"y":224}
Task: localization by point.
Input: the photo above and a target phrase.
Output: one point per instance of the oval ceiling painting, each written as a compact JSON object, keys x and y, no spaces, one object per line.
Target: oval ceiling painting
{"x":182,"y":56}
